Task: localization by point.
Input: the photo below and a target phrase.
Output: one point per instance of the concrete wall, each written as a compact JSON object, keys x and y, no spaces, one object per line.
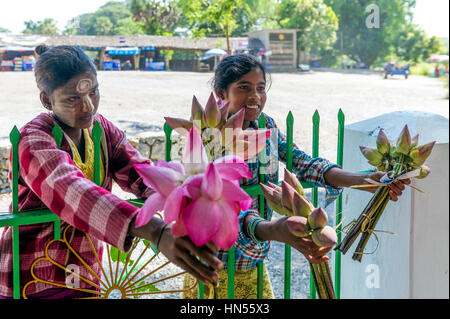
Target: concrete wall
{"x":413,"y":263}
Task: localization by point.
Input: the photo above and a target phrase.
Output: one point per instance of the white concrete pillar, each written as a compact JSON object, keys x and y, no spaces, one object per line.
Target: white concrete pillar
{"x":414,"y":262}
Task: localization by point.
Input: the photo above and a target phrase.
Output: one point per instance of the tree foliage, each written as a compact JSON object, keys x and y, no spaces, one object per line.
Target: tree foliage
{"x":46,"y":27}
{"x":359,"y":37}
{"x":158,"y":17}
{"x":113,"y":18}
{"x":315,"y":21}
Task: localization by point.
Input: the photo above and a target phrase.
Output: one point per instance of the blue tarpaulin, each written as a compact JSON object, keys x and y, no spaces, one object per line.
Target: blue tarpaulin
{"x":123,"y":51}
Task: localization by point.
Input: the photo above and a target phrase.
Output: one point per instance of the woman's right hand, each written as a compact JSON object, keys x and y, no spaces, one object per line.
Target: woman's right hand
{"x":181,"y":250}
{"x":313,"y":253}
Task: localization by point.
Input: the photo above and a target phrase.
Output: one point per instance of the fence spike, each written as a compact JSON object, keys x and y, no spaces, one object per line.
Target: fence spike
{"x":57,"y":134}
{"x":14,"y":136}
{"x":316,"y":118}
{"x":341,"y":117}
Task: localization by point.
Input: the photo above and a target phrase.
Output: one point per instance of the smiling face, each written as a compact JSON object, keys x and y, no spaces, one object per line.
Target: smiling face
{"x":248,"y":92}
{"x":75,"y":104}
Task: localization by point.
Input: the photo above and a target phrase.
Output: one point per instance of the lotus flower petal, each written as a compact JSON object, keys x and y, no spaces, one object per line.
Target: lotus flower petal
{"x":424,"y":172}
{"x":174,"y":204}
{"x":420,"y":154}
{"x":324,"y":237}
{"x":197,"y":111}
{"x":404,"y":141}
{"x":287,"y":195}
{"x":212,"y":185}
{"x":232,"y":167}
{"x":194,"y":155}
{"x":302,"y":206}
{"x":372,"y":155}
{"x":193,"y":186}
{"x":179,"y":229}
{"x":236,"y":121}
{"x":229,"y":228}
{"x":292,"y":180}
{"x":383,"y":143}
{"x":181,"y":126}
{"x":414,"y":141}
{"x":153,"y":204}
{"x":224,"y":109}
{"x":202,"y":219}
{"x":175,"y":165}
{"x":318,"y":218}
{"x":212,"y":112}
{"x":162,"y":179}
{"x":234,"y":193}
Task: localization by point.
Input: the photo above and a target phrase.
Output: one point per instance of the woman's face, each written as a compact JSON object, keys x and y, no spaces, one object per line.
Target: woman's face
{"x":76,"y":103}
{"x":249,"y":92}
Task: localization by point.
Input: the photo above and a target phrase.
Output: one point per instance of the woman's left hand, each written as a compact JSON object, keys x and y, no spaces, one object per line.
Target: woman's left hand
{"x":396,"y":187}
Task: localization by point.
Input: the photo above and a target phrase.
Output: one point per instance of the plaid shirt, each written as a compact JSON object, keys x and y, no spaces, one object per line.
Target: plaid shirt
{"x":49,"y":178}
{"x":312,"y":170}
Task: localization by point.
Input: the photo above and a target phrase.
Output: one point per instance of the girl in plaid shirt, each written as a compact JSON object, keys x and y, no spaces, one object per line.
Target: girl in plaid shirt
{"x":61,"y":179}
{"x":242,"y":80}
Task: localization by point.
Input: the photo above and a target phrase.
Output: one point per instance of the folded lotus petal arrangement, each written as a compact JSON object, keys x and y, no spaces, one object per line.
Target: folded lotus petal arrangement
{"x":305,"y":221}
{"x":221,"y":132}
{"x":203,"y":198}
{"x":401,"y":159}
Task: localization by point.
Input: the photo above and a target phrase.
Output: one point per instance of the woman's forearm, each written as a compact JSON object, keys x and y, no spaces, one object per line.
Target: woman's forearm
{"x":338,"y":177}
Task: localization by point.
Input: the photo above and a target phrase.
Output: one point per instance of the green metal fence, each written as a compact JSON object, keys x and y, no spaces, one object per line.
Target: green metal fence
{"x":20,"y":218}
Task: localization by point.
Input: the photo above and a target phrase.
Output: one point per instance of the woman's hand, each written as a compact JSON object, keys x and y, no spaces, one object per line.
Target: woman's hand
{"x":396,"y":187}
{"x":181,"y":250}
{"x":279,"y":231}
{"x":183,"y":253}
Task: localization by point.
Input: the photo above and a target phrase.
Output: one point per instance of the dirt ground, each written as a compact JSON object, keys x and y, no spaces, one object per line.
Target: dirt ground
{"x":137,"y":101}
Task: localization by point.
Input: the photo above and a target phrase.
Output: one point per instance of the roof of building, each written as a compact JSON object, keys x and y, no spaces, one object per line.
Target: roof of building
{"x":98,"y":42}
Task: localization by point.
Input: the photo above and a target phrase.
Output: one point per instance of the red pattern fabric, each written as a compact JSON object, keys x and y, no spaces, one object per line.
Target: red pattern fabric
{"x":49,"y":178}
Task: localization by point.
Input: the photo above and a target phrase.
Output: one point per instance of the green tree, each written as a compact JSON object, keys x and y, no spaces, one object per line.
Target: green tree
{"x":46,"y":27}
{"x":205,"y":16}
{"x":158,"y":17}
{"x":4,"y":30}
{"x":315,"y":21}
{"x":368,"y":28}
{"x":113,"y":18}
{"x":412,"y":44}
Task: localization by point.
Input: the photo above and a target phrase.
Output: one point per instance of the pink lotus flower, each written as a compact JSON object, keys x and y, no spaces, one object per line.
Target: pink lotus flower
{"x":203,"y":199}
{"x":229,"y":138}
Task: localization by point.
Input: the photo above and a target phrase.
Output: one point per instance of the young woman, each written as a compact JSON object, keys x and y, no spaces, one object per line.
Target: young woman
{"x":243,"y":81}
{"x":62,"y":180}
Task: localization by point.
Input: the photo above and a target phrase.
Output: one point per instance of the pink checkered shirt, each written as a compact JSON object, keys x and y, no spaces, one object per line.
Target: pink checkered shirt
{"x":49,"y":178}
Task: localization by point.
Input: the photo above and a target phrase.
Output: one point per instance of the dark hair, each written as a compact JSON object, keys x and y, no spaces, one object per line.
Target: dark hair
{"x":232,"y":68}
{"x":57,"y":65}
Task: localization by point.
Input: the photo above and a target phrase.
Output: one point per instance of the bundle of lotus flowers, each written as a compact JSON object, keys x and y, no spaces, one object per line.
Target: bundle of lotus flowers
{"x":221,"y":132}
{"x":400,"y":160}
{"x":305,"y":221}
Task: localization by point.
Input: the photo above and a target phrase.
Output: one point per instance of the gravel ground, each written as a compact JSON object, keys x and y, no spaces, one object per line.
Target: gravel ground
{"x":148,"y":96}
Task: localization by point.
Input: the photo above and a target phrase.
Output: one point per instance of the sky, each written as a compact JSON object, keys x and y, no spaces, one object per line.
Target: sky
{"x":431,"y":15}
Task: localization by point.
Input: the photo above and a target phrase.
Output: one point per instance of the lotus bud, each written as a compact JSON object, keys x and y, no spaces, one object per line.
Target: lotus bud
{"x":236,"y":120}
{"x":404,"y":141}
{"x":224,"y":112}
{"x":298,"y":226}
{"x":414,"y":141}
{"x":383,"y":144}
{"x":372,"y":155}
{"x":424,"y":172}
{"x":287,"y":195}
{"x":292,"y":180}
{"x":421,"y":153}
{"x":302,"y":206}
{"x":318,"y":218}
{"x":324,"y":237}
{"x":197,"y":111}
{"x":212,"y":112}
{"x":180,"y":125}
{"x":273,"y":198}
